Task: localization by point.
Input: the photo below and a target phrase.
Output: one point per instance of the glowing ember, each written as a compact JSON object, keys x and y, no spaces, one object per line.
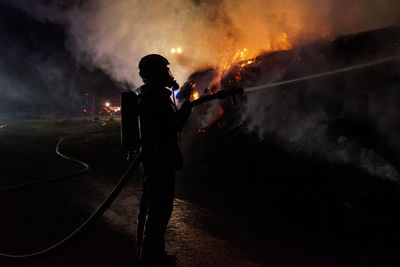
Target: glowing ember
{"x":194,"y":96}
{"x":248,"y":62}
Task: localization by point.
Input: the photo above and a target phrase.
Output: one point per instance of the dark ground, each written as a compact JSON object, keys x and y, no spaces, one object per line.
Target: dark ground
{"x":287,"y":210}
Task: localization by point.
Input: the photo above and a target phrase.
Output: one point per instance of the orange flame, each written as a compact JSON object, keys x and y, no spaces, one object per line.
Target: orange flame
{"x":245,"y":56}
{"x":194,"y":96}
{"x":242,"y":58}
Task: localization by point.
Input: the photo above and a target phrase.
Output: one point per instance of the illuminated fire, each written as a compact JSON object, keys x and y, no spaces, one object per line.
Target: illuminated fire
{"x":194,"y":96}
{"x":240,"y":55}
{"x":279,"y":42}
{"x":246,"y":56}
{"x":232,"y":57}
{"x":248,"y":62}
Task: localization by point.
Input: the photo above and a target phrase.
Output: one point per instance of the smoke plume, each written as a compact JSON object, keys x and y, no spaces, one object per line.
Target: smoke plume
{"x":114,"y":35}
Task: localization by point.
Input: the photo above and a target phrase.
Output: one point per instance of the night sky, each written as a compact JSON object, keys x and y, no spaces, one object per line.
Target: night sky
{"x":38,"y":74}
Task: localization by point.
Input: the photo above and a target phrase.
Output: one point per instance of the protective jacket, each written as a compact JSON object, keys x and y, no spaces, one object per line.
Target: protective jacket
{"x":160,"y":121}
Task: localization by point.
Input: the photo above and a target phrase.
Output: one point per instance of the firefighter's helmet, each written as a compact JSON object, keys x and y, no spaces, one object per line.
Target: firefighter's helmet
{"x":153,"y":67}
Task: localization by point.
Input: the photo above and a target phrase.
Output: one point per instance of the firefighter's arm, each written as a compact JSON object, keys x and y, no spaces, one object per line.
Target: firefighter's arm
{"x":182,"y":115}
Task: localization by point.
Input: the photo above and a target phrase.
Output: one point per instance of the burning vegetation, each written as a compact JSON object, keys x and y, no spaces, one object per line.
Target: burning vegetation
{"x":334,"y":114}
{"x":208,"y":81}
{"x":319,"y":155}
{"x":241,"y":58}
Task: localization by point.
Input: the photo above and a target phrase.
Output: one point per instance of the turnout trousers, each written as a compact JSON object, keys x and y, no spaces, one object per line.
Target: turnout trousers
{"x":155,"y":209}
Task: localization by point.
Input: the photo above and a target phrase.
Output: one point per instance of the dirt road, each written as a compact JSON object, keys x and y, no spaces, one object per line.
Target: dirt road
{"x":37,"y":216}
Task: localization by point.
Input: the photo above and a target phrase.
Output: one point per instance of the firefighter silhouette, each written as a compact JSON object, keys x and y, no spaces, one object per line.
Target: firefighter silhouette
{"x":160,"y":122}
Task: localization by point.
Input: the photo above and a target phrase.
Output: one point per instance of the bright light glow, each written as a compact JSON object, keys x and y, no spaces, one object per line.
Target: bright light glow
{"x":107,"y":104}
{"x":177,"y":50}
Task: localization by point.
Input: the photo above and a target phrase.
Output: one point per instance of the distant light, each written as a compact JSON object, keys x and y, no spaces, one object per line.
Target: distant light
{"x":107,"y":104}
{"x":176,"y":93}
{"x":177,"y":50}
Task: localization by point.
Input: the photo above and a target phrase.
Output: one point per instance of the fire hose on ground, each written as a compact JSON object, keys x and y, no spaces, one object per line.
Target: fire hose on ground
{"x":85,"y":169}
{"x":97,"y":213}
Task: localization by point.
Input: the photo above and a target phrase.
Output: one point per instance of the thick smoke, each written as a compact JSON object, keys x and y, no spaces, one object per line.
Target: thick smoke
{"x":35,"y":74}
{"x":114,"y":35}
{"x":312,"y":130}
{"x":350,"y":118}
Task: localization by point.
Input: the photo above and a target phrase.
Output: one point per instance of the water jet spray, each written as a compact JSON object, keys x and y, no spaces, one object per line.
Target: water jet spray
{"x":323,"y":74}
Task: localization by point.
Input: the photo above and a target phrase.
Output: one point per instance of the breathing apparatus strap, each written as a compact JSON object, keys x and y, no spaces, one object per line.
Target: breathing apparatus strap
{"x":130,"y":123}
